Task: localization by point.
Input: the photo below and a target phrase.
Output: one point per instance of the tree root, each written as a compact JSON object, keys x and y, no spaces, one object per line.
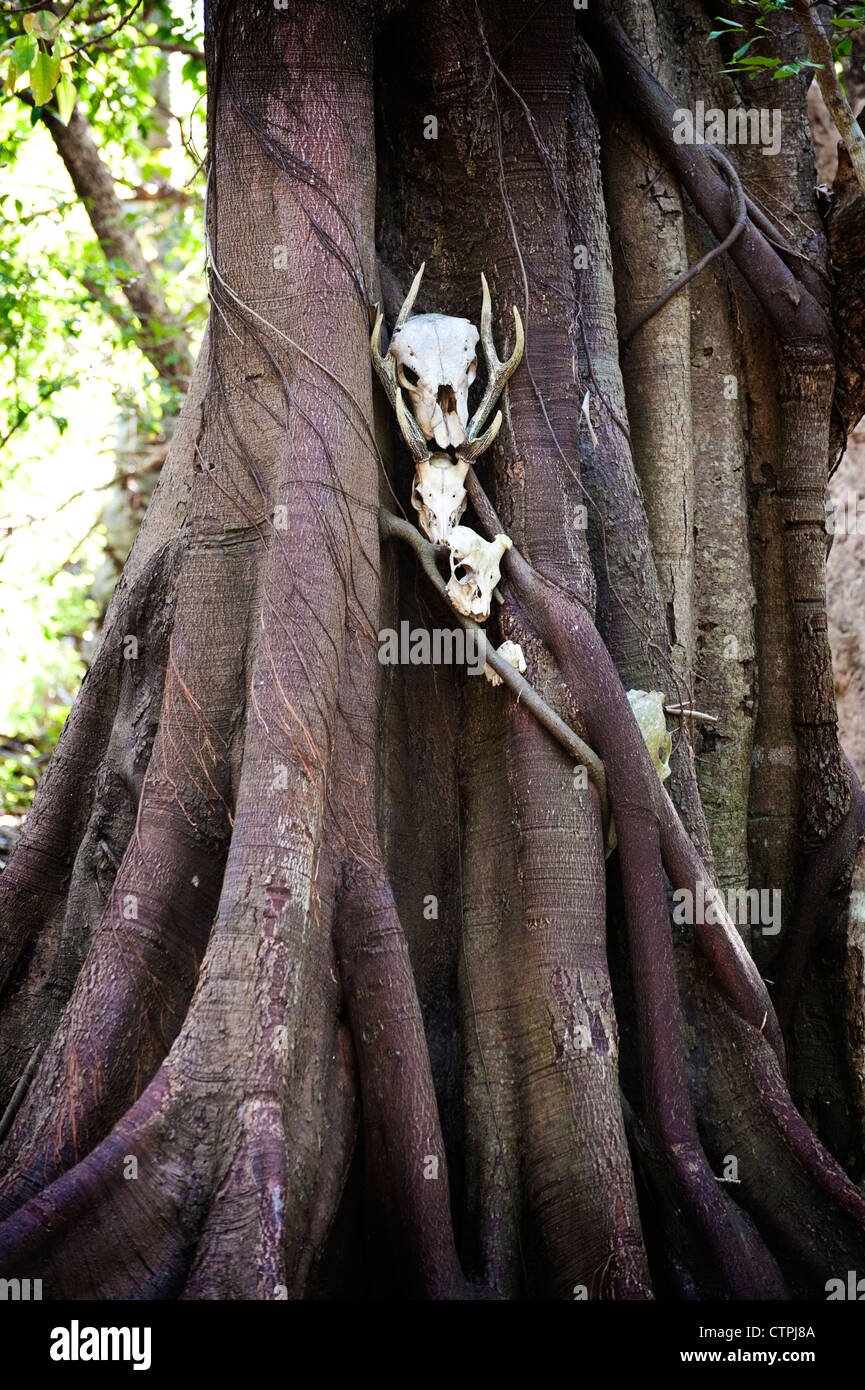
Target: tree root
{"x":826,"y":873}
{"x":33,"y":887}
{"x":632,"y":784}
{"x":138,"y":1208}
{"x":132,"y":994}
{"x":403,"y":1140}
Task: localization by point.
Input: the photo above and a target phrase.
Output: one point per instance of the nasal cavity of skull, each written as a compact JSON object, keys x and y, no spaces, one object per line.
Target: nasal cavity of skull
{"x":447,"y":400}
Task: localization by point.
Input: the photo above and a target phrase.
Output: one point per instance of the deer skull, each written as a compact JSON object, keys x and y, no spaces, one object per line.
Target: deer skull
{"x":436,"y":363}
{"x":474,"y":571}
{"x":439,"y":495}
{"x":432,"y":357}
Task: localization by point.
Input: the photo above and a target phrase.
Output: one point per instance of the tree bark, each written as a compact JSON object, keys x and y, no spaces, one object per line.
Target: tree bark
{"x":334,"y":984}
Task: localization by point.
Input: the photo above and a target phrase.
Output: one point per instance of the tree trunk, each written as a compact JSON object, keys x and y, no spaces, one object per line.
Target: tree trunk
{"x":329,"y":977}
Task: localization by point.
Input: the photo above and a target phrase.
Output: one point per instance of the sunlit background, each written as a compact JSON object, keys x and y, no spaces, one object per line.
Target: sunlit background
{"x":80,"y":406}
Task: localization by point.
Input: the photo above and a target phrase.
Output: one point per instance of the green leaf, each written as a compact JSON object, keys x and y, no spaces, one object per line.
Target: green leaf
{"x":793,"y":68}
{"x":731,"y":23}
{"x":43,"y":78}
{"x":66,"y":95}
{"x":43,"y":23}
{"x":24,"y":52}
{"x":191,"y":69}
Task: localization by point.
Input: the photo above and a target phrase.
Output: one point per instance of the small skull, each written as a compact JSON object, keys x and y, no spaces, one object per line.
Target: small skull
{"x":474,"y":571}
{"x":436,"y":363}
{"x":438,"y":495}
{"x":512,"y":653}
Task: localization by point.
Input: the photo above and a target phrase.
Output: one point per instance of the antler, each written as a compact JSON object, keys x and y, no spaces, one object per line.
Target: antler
{"x":472,"y":449}
{"x":498,"y":372}
{"x":411,"y":432}
{"x":386,"y":370}
{"x":385,"y":366}
{"x":410,"y":298}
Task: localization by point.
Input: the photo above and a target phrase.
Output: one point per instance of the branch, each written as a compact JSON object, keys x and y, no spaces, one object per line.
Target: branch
{"x":393,"y":527}
{"x":162,"y":340}
{"x":118,"y":479}
{"x":830,"y":88}
{"x":735,"y":971}
{"x":558,"y":621}
{"x":188,"y":49}
{"x":19,"y":1093}
{"x":121,"y":24}
{"x":163,"y":193}
{"x":793,"y":311}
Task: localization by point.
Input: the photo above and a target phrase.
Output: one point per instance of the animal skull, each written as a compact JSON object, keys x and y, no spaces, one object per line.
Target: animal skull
{"x":512,"y":653}
{"x":439,"y":495}
{"x":436,"y":363}
{"x":477,"y":561}
{"x":432,"y":358}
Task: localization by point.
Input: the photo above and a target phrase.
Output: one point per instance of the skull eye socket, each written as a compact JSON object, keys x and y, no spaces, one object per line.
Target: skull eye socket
{"x":408,"y":376}
{"x":461,"y":573}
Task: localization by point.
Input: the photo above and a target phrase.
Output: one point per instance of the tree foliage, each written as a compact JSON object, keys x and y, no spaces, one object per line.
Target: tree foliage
{"x":67,"y":331}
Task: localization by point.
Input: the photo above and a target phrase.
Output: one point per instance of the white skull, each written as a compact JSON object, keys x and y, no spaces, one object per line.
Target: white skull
{"x":474,"y":571}
{"x":436,"y":363}
{"x":512,"y":653}
{"x":438,"y":495}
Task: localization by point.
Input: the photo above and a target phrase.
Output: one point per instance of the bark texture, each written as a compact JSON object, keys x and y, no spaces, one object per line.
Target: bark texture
{"x":327,"y":978}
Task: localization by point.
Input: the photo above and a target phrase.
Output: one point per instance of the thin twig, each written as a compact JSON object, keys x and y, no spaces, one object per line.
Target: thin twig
{"x":681,"y":280}
{"x":82,"y":48}
{"x":19,"y":1093}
